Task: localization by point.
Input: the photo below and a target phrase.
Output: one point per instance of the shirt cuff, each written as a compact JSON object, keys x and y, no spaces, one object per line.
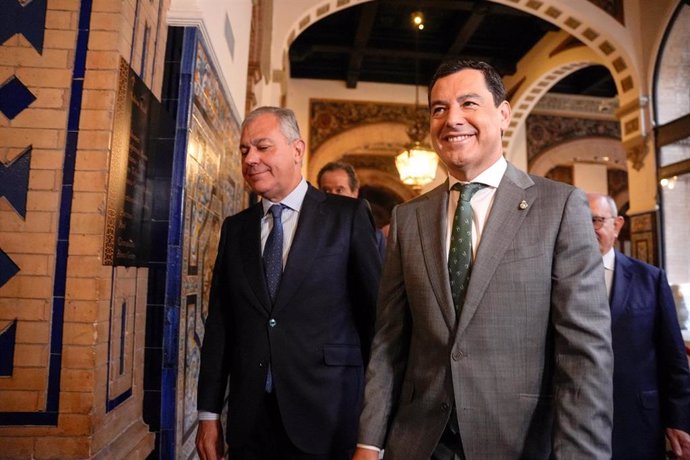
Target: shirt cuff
{"x":368,"y":447}
{"x":205,"y":415}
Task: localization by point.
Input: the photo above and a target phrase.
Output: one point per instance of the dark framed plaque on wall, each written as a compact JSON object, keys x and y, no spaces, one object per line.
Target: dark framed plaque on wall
{"x":128,"y":211}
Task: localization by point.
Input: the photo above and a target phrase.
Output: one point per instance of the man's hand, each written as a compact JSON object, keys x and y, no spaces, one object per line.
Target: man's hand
{"x":365,"y":454}
{"x":680,"y":443}
{"x":209,"y":440}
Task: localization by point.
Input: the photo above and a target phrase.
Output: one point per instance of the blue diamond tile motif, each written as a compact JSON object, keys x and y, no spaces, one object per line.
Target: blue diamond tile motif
{"x":28,"y":20}
{"x":14,"y":97}
{"x":14,"y":181}
{"x":7,"y":268}
{"x":7,"y":339}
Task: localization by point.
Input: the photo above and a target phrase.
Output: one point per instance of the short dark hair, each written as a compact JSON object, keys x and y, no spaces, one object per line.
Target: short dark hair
{"x":340,"y":166}
{"x":286,"y":119}
{"x":492,"y":78}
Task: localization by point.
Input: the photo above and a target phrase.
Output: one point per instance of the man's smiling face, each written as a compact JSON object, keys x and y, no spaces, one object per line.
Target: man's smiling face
{"x":466,"y":124}
{"x":271,"y":164}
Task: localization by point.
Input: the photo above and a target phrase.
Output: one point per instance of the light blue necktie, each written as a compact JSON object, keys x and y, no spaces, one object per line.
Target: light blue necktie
{"x":460,"y":253}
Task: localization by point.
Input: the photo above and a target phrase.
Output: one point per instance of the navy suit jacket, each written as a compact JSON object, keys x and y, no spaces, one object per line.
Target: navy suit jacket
{"x":316,"y":336}
{"x":651,"y":381}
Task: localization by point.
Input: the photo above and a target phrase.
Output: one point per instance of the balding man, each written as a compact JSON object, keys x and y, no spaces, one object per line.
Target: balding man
{"x":651,"y":381}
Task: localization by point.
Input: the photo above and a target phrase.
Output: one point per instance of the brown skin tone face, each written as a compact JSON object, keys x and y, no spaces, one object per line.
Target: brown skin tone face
{"x":611,"y":226}
{"x":271,"y":164}
{"x":466,"y":124}
{"x":337,"y":182}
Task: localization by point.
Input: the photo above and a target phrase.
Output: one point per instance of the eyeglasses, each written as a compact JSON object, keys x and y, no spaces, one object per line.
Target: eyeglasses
{"x":598,"y":221}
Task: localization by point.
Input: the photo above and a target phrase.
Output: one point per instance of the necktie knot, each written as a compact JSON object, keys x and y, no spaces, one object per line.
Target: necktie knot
{"x":467,"y":191}
{"x":276,"y":211}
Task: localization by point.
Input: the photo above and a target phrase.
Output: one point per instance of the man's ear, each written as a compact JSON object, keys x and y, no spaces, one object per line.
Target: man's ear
{"x":505,"y":111}
{"x":618,"y":223}
{"x":300,"y":147}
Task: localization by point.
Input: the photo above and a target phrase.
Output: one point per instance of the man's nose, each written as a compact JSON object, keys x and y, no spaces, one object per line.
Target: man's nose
{"x":251,"y":157}
{"x":455,"y":116}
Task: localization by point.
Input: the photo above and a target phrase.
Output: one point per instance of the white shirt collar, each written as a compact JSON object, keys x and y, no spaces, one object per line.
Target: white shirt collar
{"x":294,"y":199}
{"x":609,"y":259}
{"x":491,"y":176}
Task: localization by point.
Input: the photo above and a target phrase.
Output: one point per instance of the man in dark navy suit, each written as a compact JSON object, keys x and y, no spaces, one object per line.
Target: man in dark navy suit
{"x":651,"y":381}
{"x":340,"y":178}
{"x":291,"y":312}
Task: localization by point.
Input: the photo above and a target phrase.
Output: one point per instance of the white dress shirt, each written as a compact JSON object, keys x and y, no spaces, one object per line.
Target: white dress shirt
{"x":293,"y":205}
{"x":481,"y":201}
{"x":290,"y":216}
{"x":609,"y":265}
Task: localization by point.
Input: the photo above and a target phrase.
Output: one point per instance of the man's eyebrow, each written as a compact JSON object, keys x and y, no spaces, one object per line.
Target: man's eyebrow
{"x":255,"y":141}
{"x":465,"y":96}
{"x":460,"y":98}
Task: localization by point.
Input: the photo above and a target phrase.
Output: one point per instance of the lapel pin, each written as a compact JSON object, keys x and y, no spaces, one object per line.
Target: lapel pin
{"x":523,"y":205}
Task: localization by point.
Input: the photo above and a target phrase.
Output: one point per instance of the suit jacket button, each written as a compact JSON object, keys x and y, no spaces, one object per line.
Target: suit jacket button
{"x":457,"y":355}
{"x":445,"y":407}
{"x":272,"y":322}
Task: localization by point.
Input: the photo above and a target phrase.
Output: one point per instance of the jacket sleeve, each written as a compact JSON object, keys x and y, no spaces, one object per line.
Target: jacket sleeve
{"x":389,"y":349}
{"x":583,"y":378}
{"x":675,"y":376}
{"x":213,"y":373}
{"x":364,"y":274}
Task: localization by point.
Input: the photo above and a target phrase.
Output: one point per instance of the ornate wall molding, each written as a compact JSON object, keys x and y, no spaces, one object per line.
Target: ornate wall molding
{"x":595,"y":108}
{"x":636,"y":150}
{"x":329,"y":118}
{"x":546,"y":131}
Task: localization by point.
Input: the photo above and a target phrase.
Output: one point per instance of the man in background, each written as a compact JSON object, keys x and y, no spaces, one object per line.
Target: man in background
{"x":291,"y":311}
{"x":340,"y":178}
{"x":651,"y":381}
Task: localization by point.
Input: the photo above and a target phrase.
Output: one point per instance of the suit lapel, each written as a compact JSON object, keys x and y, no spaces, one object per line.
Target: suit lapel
{"x":305,"y":246}
{"x":622,"y":278}
{"x":251,"y":256}
{"x":506,"y":213}
{"x":433,"y":237}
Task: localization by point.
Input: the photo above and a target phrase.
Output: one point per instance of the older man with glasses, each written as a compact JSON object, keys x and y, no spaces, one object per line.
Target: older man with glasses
{"x":651,"y":381}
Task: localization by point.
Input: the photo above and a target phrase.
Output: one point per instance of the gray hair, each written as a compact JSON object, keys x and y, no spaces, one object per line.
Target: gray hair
{"x":286,"y":119}
{"x":612,"y":205}
{"x":609,"y":201}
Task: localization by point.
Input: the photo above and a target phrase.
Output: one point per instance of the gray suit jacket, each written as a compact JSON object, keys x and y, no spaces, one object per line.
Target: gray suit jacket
{"x":528,"y":362}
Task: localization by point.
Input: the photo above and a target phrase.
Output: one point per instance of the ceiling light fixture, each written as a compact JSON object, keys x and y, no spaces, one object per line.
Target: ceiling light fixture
{"x":418,"y":162}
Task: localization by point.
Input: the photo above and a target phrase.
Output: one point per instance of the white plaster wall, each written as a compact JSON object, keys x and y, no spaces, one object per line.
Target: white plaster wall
{"x":590,"y":178}
{"x":210,"y":16}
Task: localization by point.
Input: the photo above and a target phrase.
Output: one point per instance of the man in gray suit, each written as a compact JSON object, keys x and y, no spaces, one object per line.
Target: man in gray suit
{"x":520,"y":366}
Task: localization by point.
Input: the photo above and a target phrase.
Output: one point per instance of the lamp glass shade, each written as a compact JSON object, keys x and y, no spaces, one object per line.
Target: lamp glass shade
{"x":417,"y":165}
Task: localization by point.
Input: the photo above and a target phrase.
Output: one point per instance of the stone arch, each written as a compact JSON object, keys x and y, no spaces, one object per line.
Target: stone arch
{"x":382,"y":139}
{"x":541,"y":69}
{"x":602,"y":34}
{"x":388,"y":136}
{"x":588,"y":23}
